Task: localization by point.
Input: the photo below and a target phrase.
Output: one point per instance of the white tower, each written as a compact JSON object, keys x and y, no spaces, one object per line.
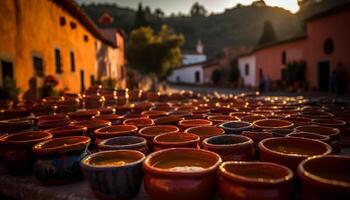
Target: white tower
{"x":200,"y":47}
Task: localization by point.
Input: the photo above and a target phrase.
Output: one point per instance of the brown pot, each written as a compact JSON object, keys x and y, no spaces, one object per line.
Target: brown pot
{"x":205,"y":131}
{"x":168,"y":120}
{"x":176,"y":140}
{"x":272,"y":124}
{"x":150,"y":132}
{"x":114,"y":131}
{"x":188,"y":123}
{"x":69,"y":130}
{"x":139,"y":122}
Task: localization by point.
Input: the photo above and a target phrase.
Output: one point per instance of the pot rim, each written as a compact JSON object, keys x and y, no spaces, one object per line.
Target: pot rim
{"x":262,"y":147}
{"x":5,"y":141}
{"x":176,"y":129}
{"x":195,"y":139}
{"x":249,"y":125}
{"x":40,"y":150}
{"x":335,"y":130}
{"x":155,"y":170}
{"x":322,"y":137}
{"x":74,"y":128}
{"x":150,"y":122}
{"x":247,"y":180}
{"x":131,"y":128}
{"x":83,"y":113}
{"x":203,"y":135}
{"x":207,"y":122}
{"x":338,"y":122}
{"x":140,"y":143}
{"x":303,"y":172}
{"x":248,"y":141}
{"x":270,"y":127}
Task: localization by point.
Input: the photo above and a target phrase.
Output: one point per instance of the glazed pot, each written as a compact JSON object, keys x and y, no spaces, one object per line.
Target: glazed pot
{"x":16,"y":151}
{"x":154,"y":113}
{"x":16,"y":125}
{"x":57,"y":160}
{"x":185,"y":174}
{"x":41,"y":109}
{"x":139,"y":122}
{"x":69,"y":130}
{"x":290,"y":151}
{"x":15,"y":113}
{"x":257,"y":136}
{"x":236,"y":127}
{"x":299,"y":121}
{"x":114,"y":174}
{"x":113,"y":118}
{"x":335,"y":123}
{"x":205,"y":131}
{"x":331,"y":181}
{"x":312,"y":136}
{"x":150,"y":132}
{"x":52,"y":121}
{"x":188,"y":123}
{"x":114,"y":131}
{"x":93,"y":102}
{"x":321,"y":130}
{"x":252,"y":118}
{"x":279,"y":132}
{"x":272,"y":124}
{"x":231,"y":147}
{"x":176,"y":140}
{"x":218,"y":119}
{"x":124,"y":143}
{"x":91,"y":126}
{"x":255,"y":181}
{"x":168,"y":120}
{"x":134,"y":116}
{"x":82,"y":115}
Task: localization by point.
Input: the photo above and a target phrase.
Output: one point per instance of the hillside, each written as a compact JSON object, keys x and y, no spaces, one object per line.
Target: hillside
{"x":235,"y":27}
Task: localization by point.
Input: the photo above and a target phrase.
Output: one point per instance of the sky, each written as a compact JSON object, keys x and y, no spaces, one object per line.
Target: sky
{"x":183,"y":6}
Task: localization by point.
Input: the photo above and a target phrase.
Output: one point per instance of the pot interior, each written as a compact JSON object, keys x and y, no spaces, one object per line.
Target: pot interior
{"x":206,"y":130}
{"x":273,"y":123}
{"x":322,"y":130}
{"x":62,"y":142}
{"x":234,"y":125}
{"x":113,"y":158}
{"x":176,"y":137}
{"x":34,"y":135}
{"x":227,"y":140}
{"x":117,"y":128}
{"x":156,"y":130}
{"x":123,"y":141}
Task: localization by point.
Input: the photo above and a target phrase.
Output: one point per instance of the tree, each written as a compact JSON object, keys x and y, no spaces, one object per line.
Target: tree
{"x":268,"y":34}
{"x":198,"y":10}
{"x":149,"y":52}
{"x":140,"y":18}
{"x":159,"y":13}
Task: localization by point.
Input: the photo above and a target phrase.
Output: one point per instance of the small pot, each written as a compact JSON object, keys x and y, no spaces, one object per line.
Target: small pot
{"x":49,"y":124}
{"x":255,"y":180}
{"x":325,"y":177}
{"x":335,"y":123}
{"x":114,"y":174}
{"x":252,"y":118}
{"x":69,"y":130}
{"x":205,"y":131}
{"x":154,"y":113}
{"x":321,"y":130}
{"x":231,"y":147}
{"x":91,"y":126}
{"x":219,"y":119}
{"x":290,"y":151}
{"x":16,"y":151}
{"x":236,"y":127}
{"x":139,"y":122}
{"x":279,"y":132}
{"x":168,"y":120}
{"x":15,"y":113}
{"x":178,"y":140}
{"x":114,"y":131}
{"x":16,"y":125}
{"x":240,"y":114}
{"x":82,"y":115}
{"x":134,"y":116}
{"x":113,"y":118}
{"x":299,"y":121}
{"x":312,"y":136}
{"x":150,"y":132}
{"x":188,"y":123}
{"x":57,"y":160}
{"x":178,"y":173}
{"x":257,"y":136}
{"x":272,"y":124}
{"x":124,"y":143}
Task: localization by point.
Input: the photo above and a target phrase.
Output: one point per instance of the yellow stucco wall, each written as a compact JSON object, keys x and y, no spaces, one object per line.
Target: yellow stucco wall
{"x":32,"y":27}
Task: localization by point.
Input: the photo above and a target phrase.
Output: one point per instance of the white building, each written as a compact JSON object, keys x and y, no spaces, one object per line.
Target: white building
{"x":247,"y":69}
{"x":190,"y":74}
{"x":194,"y":57}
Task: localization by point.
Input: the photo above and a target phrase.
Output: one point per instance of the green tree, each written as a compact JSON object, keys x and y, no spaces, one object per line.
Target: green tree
{"x":198,"y":10}
{"x":150,"y":52}
{"x":268,"y":34}
{"x":140,"y":18}
{"x":159,"y":13}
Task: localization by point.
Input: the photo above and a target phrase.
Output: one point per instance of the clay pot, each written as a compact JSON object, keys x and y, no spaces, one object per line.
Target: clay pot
{"x":168,"y":120}
{"x":290,"y":151}
{"x":175,"y":140}
{"x":93,"y":102}
{"x":139,"y":122}
{"x":325,"y":177}
{"x":231,"y":147}
{"x":255,"y":181}
{"x":41,"y":109}
{"x":185,"y":174}
{"x":82,"y":115}
{"x":153,"y":113}
{"x":312,"y":136}
{"x":15,"y":113}
{"x":218,"y":119}
{"x":114,"y":131}
{"x":236,"y":127}
{"x":16,"y":151}
{"x":91,"y":126}
{"x":335,"y":123}
{"x":134,"y":116}
{"x":321,"y":130}
{"x":113,"y":118}
{"x":114,"y":174}
{"x":205,"y":131}
{"x":299,"y":121}
{"x":142,"y":106}
{"x":188,"y":123}
{"x":316,"y":114}
{"x":124,"y":143}
{"x":69,"y":130}
{"x":257,"y":136}
{"x":252,"y":118}
{"x":16,"y":125}
{"x":279,"y":132}
{"x":53,"y":122}
{"x":57,"y":160}
{"x":272,"y":124}
{"x":239,"y":114}
{"x":150,"y":132}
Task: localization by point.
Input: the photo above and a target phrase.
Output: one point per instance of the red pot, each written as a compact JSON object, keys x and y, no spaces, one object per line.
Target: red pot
{"x":176,"y":140}
{"x":325,"y":177}
{"x":139,"y":122}
{"x":321,"y":130}
{"x":252,"y":118}
{"x":257,"y":136}
{"x":114,"y":131}
{"x":82,"y":115}
{"x":153,"y":113}
{"x":205,"y":131}
{"x":335,"y":123}
{"x":188,"y":123}
{"x":150,"y":132}
{"x":16,"y":125}
{"x":185,"y":174}
{"x":113,"y":118}
{"x":272,"y":124}
{"x":231,"y":147}
{"x":49,"y":124}
{"x":218,"y":119}
{"x":312,"y":136}
{"x":255,"y":181}
{"x":290,"y":151}
{"x":168,"y":120}
{"x":69,"y":130}
{"x":299,"y":121}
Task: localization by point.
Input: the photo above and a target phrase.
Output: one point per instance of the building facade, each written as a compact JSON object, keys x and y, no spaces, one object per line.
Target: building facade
{"x":189,"y":74}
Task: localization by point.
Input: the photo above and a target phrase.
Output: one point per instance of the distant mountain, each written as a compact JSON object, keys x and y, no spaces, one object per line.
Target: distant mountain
{"x":240,"y":26}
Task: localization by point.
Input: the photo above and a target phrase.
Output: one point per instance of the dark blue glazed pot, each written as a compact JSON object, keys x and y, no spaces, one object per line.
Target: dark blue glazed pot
{"x":57,"y":160}
{"x":114,"y":174}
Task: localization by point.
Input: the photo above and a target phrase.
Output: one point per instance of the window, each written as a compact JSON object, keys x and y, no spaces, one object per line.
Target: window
{"x":246,"y":69}
{"x":73,"y":25}
{"x":86,"y":38}
{"x":62,"y":21}
{"x":197,"y":76}
{"x":284,"y":58}
{"x":178,"y":79}
{"x":58,"y":61}
{"x":38,"y":66}
{"x":328,"y":46}
{"x":72,"y":62}
{"x":7,"y":70}
{"x":92,"y":79}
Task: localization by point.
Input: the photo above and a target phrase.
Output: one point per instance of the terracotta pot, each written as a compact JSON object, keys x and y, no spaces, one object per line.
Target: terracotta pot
{"x":57,"y":160}
{"x":134,"y":116}
{"x":153,"y":113}
{"x":299,"y":121}
{"x":272,"y":124}
{"x":239,"y":114}
{"x":255,"y":181}
{"x":257,"y":136}
{"x":15,"y":113}
{"x":139,"y":122}
{"x":114,"y":131}
{"x":49,"y":124}
{"x":290,"y":151}
{"x":91,"y":126}
{"x":41,"y":109}
{"x":150,"y":132}
{"x":142,"y":106}
{"x":279,"y":132}
{"x":185,"y":174}
{"x":67,"y":108}
{"x":124,"y":143}
{"x":316,"y":114}
{"x":69,"y":130}
{"x":93,"y":102}
{"x":231,"y":147}
{"x":113,"y":118}
{"x":325,"y":177}
{"x":180,"y":113}
{"x":83,"y":115}
{"x":106,"y":111}
{"x":114,"y":174}
{"x":168,"y":120}
{"x":312,"y":136}
{"x":16,"y":151}
{"x":236,"y":127}
{"x":205,"y":131}
{"x":335,"y":123}
{"x":252,"y":118}
{"x":16,"y":125}
{"x":175,"y":140}
{"x":188,"y":123}
{"x":321,"y":130}
{"x":218,"y":119}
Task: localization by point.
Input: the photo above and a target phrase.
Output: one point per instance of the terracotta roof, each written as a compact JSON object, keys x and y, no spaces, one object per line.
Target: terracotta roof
{"x":74,"y":9}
